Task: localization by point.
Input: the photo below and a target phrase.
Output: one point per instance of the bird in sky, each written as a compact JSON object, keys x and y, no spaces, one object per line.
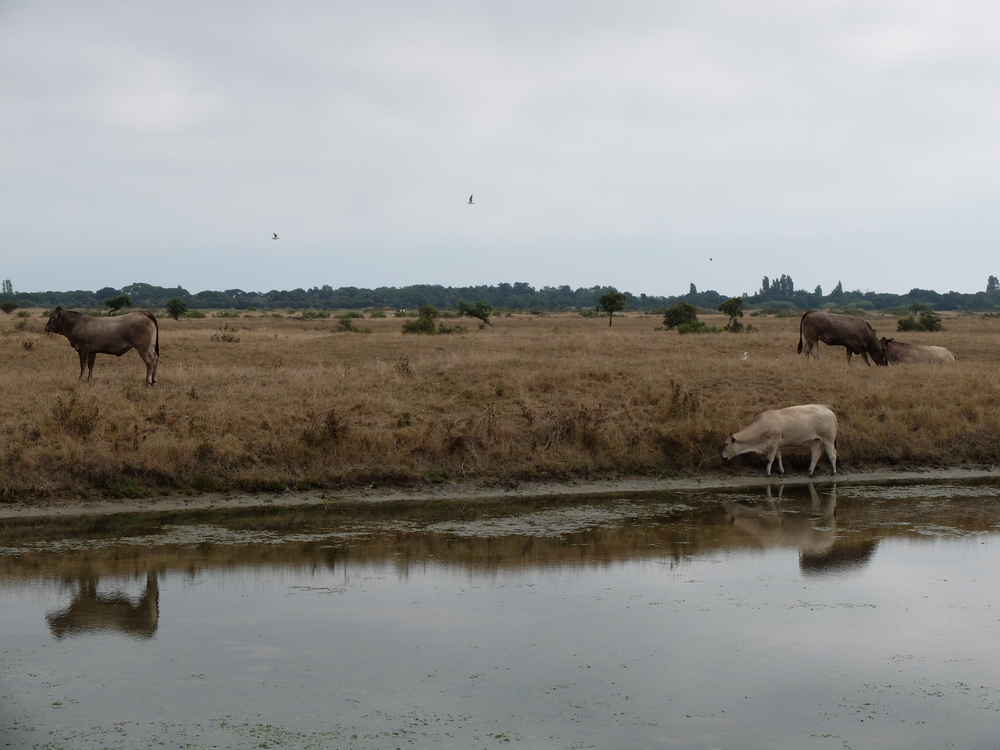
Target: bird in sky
{"x":275,"y":235}
{"x":470,"y":201}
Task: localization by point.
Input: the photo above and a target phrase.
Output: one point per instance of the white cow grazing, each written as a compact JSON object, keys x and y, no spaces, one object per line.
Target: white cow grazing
{"x":795,"y":426}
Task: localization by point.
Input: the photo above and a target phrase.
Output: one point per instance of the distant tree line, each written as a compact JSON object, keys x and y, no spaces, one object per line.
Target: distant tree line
{"x":776,"y":294}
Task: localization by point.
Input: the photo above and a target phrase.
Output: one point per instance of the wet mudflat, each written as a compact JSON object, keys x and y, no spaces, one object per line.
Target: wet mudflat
{"x":848,"y":617}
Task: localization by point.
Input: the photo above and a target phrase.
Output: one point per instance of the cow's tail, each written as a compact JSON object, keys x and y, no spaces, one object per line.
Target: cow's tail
{"x":156,"y":346}
{"x":800,"y":334}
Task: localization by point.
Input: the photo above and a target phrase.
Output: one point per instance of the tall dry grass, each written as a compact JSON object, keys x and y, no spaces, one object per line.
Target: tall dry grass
{"x":293,"y":403}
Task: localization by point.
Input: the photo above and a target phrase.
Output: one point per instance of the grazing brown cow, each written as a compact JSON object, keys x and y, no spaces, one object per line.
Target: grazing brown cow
{"x":91,"y":336}
{"x":840,"y":330}
{"x":899,"y":352}
{"x":794,"y":426}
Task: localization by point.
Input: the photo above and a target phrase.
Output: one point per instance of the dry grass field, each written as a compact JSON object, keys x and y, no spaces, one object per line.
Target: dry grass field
{"x":290,"y":403}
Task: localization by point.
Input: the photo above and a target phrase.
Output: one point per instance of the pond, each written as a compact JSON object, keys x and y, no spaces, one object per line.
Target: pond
{"x":803,"y":617}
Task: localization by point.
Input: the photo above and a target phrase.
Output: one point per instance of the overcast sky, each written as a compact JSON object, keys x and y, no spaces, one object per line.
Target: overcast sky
{"x":641,"y":145}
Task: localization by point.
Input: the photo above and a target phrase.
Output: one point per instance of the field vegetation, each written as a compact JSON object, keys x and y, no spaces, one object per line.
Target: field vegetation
{"x":264,"y":403}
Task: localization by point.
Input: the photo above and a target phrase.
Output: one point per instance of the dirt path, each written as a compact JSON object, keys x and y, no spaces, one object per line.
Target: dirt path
{"x":467,"y":492}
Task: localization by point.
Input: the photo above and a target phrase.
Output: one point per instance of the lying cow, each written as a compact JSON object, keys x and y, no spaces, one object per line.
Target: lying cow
{"x":794,"y":426}
{"x":840,"y":330}
{"x":91,"y":336}
{"x":899,"y":352}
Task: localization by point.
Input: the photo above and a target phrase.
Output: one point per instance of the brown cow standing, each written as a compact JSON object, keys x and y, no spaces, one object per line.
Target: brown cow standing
{"x":840,"y":330}
{"x":91,"y":336}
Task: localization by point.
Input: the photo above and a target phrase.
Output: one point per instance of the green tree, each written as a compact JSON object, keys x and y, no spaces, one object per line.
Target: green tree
{"x":117,"y":303}
{"x":481,"y":310}
{"x":424,"y":322}
{"x":992,"y":285}
{"x":680,"y":314}
{"x":734,"y":309}
{"x":176,"y":307}
{"x":9,"y":306}
{"x":8,"y":288}
{"x":612,"y":302}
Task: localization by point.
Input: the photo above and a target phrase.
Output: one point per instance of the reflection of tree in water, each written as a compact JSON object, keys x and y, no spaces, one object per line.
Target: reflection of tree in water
{"x":92,"y":611}
{"x":821,"y":550}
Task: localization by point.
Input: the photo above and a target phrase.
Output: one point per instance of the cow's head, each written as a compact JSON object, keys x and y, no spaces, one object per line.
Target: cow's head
{"x":729,"y":448}
{"x":56,"y":320}
{"x":881,"y":356}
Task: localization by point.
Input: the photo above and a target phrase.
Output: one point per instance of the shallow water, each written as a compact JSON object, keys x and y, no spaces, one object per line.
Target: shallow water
{"x":707,"y":620}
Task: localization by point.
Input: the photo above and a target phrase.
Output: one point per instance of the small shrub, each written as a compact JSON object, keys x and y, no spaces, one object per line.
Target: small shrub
{"x":683,"y":313}
{"x":402,"y":366}
{"x":226,"y":336}
{"x":424,"y":322}
{"x":127,"y":489}
{"x":314,"y":315}
{"x":8,"y":306}
{"x":28,"y":344}
{"x":226,"y":314}
{"x":928,"y":321}
{"x":20,"y":323}
{"x":24,"y":313}
{"x":74,"y":417}
{"x":208,"y":483}
{"x":697,"y":327}
{"x":438,"y":476}
{"x":377,"y":312}
{"x":117,"y":303}
{"x":194,"y":314}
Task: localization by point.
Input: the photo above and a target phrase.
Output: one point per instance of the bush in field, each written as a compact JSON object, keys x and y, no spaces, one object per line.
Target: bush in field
{"x":9,"y":306}
{"x":480,"y":310}
{"x":680,"y":314}
{"x":696,"y":327}
{"x":117,"y":303}
{"x":345,"y":323}
{"x":927,"y":321}
{"x":424,"y":322}
{"x":176,"y":307}
{"x":734,"y":309}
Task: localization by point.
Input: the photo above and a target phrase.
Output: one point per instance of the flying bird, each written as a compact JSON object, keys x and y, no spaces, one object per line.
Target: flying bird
{"x":470,"y":201}
{"x":275,"y":235}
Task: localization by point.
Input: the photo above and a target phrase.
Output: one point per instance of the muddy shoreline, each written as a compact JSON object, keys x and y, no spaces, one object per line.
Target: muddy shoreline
{"x":468,"y":492}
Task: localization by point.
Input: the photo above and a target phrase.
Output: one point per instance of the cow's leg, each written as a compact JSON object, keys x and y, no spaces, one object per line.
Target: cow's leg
{"x":83,"y":363}
{"x":777,"y":454}
{"x":864,"y":356}
{"x":815,"y":451}
{"x":770,"y":459}
{"x":90,"y":365}
{"x":151,"y":360}
{"x":814,"y":350}
{"x":831,"y":453}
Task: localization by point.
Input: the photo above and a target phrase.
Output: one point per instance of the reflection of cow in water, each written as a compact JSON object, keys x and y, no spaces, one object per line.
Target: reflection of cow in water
{"x":815,"y":538}
{"x":91,"y":611}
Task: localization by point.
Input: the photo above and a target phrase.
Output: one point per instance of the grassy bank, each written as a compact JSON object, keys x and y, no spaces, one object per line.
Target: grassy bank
{"x":264,"y":403}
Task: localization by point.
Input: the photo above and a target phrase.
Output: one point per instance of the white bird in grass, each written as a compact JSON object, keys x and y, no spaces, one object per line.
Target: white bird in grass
{"x":744,"y":357}
{"x":275,"y":235}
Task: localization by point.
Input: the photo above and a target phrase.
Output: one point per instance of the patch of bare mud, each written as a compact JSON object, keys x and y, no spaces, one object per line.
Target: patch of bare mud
{"x":471,"y":493}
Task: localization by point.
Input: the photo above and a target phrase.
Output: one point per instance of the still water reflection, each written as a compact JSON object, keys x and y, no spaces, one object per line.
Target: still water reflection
{"x":823,"y":617}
